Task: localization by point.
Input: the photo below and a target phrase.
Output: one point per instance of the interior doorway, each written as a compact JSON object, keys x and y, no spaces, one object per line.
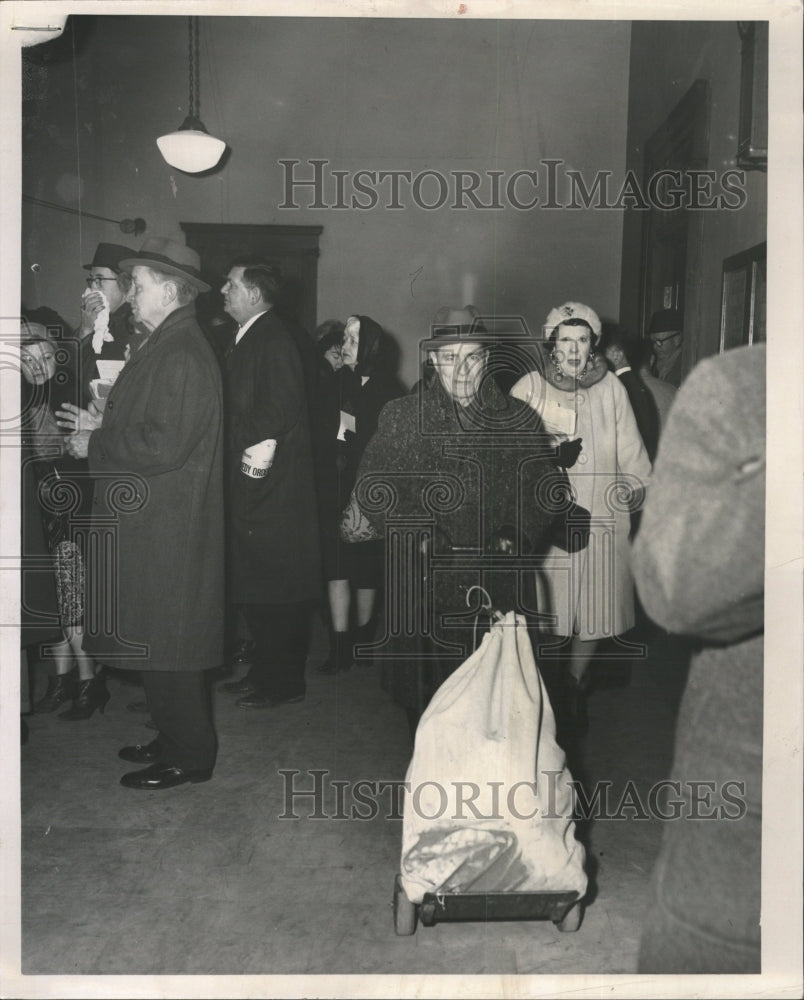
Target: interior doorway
{"x":672,"y":239}
{"x":293,"y":248}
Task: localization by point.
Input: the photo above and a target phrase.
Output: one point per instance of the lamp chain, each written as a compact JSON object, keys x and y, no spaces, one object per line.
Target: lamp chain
{"x":192,"y":47}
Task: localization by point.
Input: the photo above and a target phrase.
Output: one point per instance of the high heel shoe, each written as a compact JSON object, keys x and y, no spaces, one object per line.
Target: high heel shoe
{"x":60,"y":689}
{"x":92,"y":694}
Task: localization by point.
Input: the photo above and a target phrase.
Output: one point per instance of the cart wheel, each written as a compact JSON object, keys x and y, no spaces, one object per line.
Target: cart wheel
{"x":404,"y":911}
{"x":571,"y":920}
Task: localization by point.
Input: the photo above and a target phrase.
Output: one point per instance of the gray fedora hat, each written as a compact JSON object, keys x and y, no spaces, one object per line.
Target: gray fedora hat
{"x":457,"y":326}
{"x":170,"y":257}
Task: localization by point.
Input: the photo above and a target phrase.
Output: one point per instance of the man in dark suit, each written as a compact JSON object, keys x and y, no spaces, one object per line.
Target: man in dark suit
{"x":274,"y":564}
{"x":156,"y":454}
{"x":618,"y":355}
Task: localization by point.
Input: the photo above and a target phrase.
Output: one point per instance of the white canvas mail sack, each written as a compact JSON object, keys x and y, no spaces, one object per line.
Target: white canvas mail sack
{"x":488,"y":804}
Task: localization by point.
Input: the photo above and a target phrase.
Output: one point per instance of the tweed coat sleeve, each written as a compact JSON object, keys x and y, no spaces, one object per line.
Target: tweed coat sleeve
{"x":277,"y":399}
{"x":698,"y":557}
{"x":395,"y":447}
{"x":172,"y":419}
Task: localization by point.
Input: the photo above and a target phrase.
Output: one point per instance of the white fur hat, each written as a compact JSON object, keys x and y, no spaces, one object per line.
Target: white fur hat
{"x":572,"y":310}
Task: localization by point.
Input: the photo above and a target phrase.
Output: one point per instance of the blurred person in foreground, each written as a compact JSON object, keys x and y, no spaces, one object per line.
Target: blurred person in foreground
{"x":698,"y":562}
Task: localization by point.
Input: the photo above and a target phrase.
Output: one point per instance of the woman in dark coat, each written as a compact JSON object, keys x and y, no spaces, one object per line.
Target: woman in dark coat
{"x":348,"y":419}
{"x":64,"y":492}
{"x":459,"y":484}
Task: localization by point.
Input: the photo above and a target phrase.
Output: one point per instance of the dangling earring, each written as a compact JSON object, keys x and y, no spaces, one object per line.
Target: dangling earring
{"x":556,"y":367}
{"x":588,"y":368}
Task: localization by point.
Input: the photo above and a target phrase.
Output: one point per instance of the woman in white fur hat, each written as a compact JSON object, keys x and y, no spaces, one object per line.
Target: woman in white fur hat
{"x":589,"y":593}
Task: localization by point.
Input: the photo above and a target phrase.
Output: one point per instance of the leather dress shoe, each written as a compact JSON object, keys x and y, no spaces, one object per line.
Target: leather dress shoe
{"x":257,"y":700}
{"x":141,"y":754}
{"x":159,"y":776}
{"x":243,"y":686}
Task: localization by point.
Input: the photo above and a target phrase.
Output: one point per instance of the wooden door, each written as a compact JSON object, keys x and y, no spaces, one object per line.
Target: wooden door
{"x":672,"y":238}
{"x":293,"y":248}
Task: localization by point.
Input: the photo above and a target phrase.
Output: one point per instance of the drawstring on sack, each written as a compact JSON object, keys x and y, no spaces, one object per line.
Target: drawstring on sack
{"x":485,"y":606}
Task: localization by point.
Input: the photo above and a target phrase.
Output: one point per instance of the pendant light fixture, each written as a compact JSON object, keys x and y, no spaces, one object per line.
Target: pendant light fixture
{"x":191,"y":148}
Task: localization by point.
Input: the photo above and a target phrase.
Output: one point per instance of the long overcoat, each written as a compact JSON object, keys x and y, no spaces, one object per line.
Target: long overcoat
{"x":699,"y":567}
{"x":273,"y":555}
{"x":158,"y":464}
{"x":459,"y":478}
{"x":592,"y":590}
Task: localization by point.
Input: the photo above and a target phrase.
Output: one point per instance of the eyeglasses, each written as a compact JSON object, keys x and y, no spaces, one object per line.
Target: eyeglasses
{"x":667,"y":336}
{"x":96,"y":280}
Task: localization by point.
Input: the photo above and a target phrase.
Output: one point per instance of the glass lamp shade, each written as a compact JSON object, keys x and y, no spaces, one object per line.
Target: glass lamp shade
{"x":191,"y":148}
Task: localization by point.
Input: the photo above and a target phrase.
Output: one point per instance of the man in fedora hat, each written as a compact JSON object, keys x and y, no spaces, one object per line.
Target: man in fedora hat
{"x":157,"y":456}
{"x":462,"y":463}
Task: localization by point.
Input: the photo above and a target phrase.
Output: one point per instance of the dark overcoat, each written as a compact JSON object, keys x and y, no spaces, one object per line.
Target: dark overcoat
{"x":273,"y":555}
{"x":461,"y":478}
{"x":158,"y":462}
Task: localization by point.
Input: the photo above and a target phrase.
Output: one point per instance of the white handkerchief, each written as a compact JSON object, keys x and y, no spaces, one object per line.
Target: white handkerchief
{"x":101,"y":334}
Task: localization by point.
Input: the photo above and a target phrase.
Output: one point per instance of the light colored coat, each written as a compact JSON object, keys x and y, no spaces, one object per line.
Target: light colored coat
{"x":591,"y":592}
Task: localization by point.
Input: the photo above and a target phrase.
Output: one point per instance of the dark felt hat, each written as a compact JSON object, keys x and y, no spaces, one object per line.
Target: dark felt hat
{"x":664,"y":320}
{"x":109,"y":255}
{"x":457,"y":326}
{"x":170,"y":257}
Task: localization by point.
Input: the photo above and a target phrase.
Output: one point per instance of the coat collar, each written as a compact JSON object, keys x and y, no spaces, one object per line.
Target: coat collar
{"x":440,"y":408}
{"x":566,"y":383}
{"x":177,"y":318}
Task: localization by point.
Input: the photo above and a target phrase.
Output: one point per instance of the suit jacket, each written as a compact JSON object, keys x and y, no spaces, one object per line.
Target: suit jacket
{"x":273,"y":526}
{"x":158,"y":464}
{"x":645,"y":411}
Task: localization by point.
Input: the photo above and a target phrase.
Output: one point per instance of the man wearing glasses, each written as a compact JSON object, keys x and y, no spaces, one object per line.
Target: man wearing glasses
{"x":470,"y":469}
{"x":108,"y":286}
{"x":665,"y":332}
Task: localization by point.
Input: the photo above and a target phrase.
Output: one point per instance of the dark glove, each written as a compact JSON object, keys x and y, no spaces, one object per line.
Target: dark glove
{"x":507,"y":541}
{"x":568,"y":452}
{"x":570,"y":531}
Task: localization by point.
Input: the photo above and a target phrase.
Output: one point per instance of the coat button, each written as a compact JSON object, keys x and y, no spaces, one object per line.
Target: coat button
{"x":582,"y":459}
{"x":110,"y":404}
